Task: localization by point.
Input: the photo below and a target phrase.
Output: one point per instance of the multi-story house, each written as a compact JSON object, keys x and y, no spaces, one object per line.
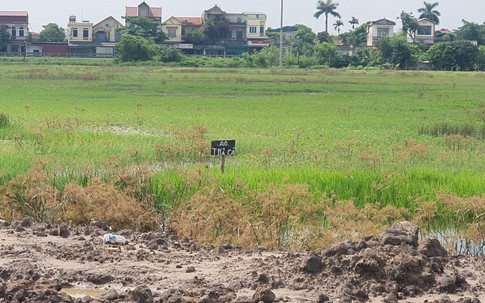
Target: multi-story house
{"x":145,"y":11}
{"x":244,"y":26}
{"x":105,"y":36}
{"x":85,"y":38}
{"x":79,"y":32}
{"x":255,"y":26}
{"x":17,"y":25}
{"x":379,"y":29}
{"x":177,"y":29}
{"x":425,"y":35}
{"x":247,"y":31}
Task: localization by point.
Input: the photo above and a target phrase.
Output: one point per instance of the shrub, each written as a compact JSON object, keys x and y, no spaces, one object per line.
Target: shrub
{"x":4,"y":120}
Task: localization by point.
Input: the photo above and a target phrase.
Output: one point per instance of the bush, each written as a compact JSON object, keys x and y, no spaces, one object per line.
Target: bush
{"x":4,"y":120}
{"x":170,"y":54}
{"x":134,"y":48}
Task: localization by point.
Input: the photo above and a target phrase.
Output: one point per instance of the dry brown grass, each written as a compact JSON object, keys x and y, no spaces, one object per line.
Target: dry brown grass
{"x":284,"y":216}
{"x":123,"y":202}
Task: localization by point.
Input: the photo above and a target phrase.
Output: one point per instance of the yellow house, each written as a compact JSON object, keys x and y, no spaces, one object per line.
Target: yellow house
{"x":255,"y":25}
{"x":176,"y":28}
{"x":105,"y":30}
{"x":79,"y":32}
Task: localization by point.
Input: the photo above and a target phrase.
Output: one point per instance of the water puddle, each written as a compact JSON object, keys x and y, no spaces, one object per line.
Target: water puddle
{"x":81,"y":293}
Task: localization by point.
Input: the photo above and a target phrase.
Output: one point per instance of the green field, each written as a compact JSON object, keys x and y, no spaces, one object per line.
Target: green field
{"x":369,"y":136}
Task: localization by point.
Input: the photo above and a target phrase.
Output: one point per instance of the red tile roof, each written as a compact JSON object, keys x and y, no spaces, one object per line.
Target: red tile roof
{"x":14,"y":17}
{"x":133,"y":12}
{"x":16,"y":14}
{"x":191,"y":20}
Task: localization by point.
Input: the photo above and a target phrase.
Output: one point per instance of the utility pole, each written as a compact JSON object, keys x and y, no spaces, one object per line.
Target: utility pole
{"x":281,"y":35}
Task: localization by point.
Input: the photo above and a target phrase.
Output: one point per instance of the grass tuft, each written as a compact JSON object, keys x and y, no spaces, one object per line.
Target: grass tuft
{"x":4,"y":120}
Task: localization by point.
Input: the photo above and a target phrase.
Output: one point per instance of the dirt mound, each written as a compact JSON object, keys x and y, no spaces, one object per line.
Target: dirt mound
{"x":39,"y":262}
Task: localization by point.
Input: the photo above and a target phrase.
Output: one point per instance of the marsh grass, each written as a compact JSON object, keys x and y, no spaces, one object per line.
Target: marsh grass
{"x":4,"y":120}
{"x":321,"y":154}
{"x":448,"y":129}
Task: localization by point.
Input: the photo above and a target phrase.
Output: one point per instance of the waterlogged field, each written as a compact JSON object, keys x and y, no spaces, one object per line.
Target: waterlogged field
{"x":316,"y":150}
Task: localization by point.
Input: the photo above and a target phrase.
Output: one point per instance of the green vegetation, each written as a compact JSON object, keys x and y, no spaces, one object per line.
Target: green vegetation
{"x":317,"y":150}
{"x":52,"y":33}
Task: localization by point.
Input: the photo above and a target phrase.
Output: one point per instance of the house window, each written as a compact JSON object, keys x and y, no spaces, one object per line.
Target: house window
{"x":85,"y":33}
{"x":257,"y":16}
{"x":253,"y":29}
{"x":21,"y":32}
{"x":382,"y":32}
{"x":239,"y":35}
{"x":239,"y":19}
{"x":74,"y":32}
{"x":261,"y":31}
{"x":172,"y":32}
{"x":14,"y":32}
{"x":424,"y":30}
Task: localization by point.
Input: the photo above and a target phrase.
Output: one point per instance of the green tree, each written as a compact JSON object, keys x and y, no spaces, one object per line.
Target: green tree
{"x":4,"y":38}
{"x":52,"y":33}
{"x":169,"y":54}
{"x":323,"y":37}
{"x":368,"y":57}
{"x":354,"y":21}
{"x":135,"y":48}
{"x":217,"y":29}
{"x":429,"y":12}
{"x":195,"y":36}
{"x":268,"y":56}
{"x":481,"y":57}
{"x":326,"y":7}
{"x":410,"y":25}
{"x":325,"y":53}
{"x":458,"y":55}
{"x":338,"y":23}
{"x":355,"y":37}
{"x":471,"y":31}
{"x":397,"y":51}
{"x":302,"y":42}
{"x":143,"y":27}
{"x":358,"y":36}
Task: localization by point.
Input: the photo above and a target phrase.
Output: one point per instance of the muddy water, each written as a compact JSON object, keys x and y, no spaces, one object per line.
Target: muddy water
{"x":81,"y":293}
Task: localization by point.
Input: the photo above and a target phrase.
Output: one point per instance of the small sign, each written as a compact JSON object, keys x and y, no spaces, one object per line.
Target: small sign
{"x":223,"y":148}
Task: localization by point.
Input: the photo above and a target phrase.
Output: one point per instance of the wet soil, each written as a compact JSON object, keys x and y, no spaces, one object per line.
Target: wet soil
{"x":41,"y":262}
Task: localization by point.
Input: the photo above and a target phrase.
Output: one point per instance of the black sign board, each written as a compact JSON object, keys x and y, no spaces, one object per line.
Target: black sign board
{"x":223,"y":148}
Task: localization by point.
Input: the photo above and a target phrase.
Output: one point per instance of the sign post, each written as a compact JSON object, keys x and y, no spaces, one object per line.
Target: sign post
{"x":223,"y":148}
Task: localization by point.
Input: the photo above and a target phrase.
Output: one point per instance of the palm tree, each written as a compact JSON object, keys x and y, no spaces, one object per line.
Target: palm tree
{"x":429,"y":12}
{"x":324,"y":8}
{"x":337,"y":25}
{"x":354,"y":21}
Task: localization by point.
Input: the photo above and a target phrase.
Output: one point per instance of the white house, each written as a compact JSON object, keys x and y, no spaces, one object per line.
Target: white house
{"x":425,"y":34}
{"x":17,"y":24}
{"x":379,"y":29}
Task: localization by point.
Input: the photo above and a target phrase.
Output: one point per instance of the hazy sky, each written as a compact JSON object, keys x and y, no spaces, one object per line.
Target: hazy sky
{"x":42,"y":12}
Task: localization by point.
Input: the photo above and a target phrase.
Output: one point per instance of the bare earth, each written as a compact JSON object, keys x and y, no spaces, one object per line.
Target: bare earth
{"x":41,"y":262}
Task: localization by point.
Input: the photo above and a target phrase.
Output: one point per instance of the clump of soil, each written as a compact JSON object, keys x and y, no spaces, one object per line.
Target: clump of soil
{"x":38,"y":261}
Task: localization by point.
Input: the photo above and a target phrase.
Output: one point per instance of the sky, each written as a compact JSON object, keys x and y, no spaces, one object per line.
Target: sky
{"x":42,"y":12}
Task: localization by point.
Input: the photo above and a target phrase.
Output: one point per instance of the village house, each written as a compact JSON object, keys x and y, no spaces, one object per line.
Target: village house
{"x":17,"y":25}
{"x":143,"y":10}
{"x":379,"y":29}
{"x":248,"y":32}
{"x":106,"y":36}
{"x":88,"y":39}
{"x":425,"y":35}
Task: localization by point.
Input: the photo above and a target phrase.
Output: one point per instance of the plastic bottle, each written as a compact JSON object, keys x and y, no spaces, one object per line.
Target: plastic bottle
{"x":114,"y":239}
